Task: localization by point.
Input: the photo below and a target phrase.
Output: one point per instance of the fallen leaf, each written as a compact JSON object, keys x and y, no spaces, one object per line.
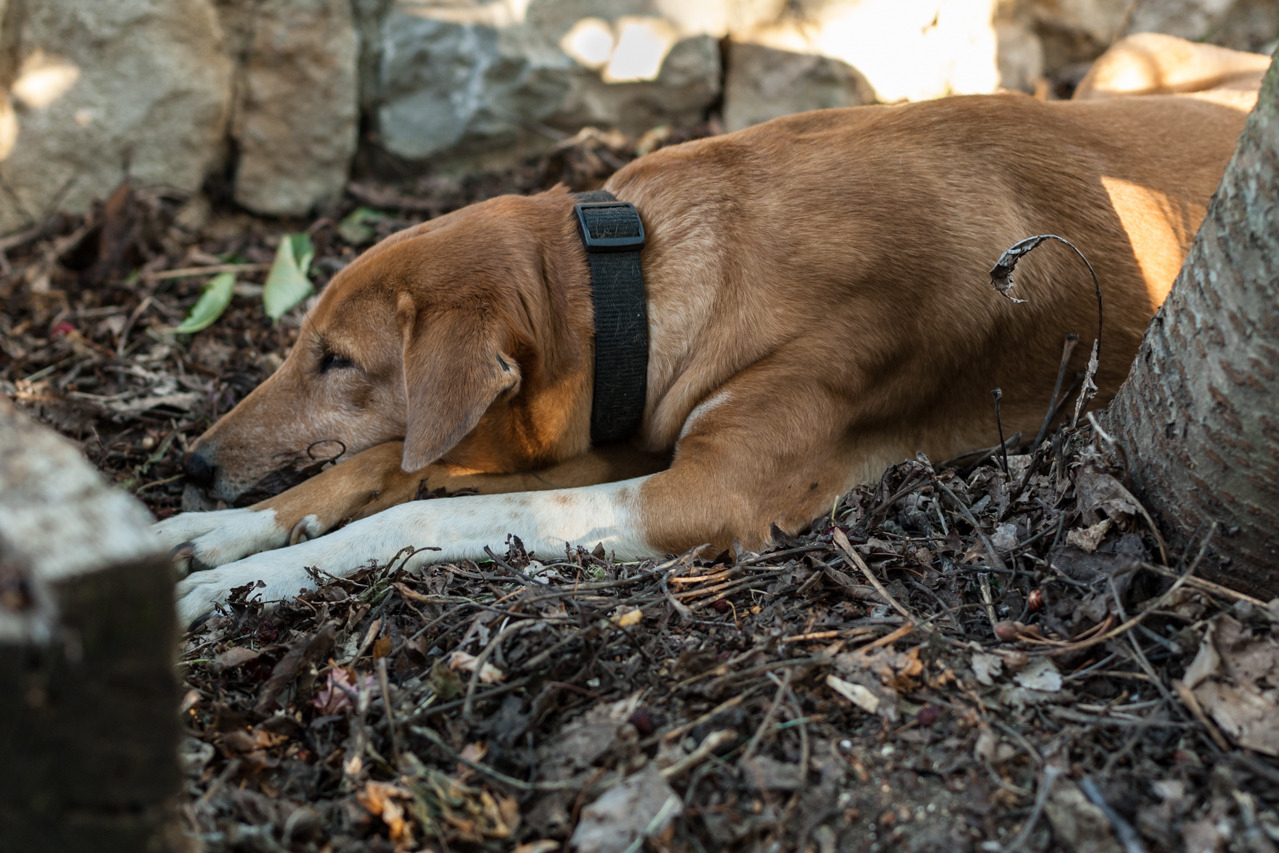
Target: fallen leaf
{"x":641,"y":806}
{"x":236,"y":656}
{"x":1040,"y":674}
{"x":855,"y":693}
{"x":214,"y":299}
{"x":1089,"y":538}
{"x":489,"y":674}
{"x":629,"y":618}
{"x":379,"y":798}
{"x":1235,"y":677}
{"x":987,"y":667}
{"x":287,"y":284}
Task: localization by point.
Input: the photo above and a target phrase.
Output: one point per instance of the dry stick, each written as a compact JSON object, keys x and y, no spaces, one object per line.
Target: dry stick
{"x":1046,"y":780}
{"x":189,"y":272}
{"x":776,"y":705}
{"x":1192,"y":702}
{"x":1067,"y":350}
{"x":518,"y":784}
{"x":1127,"y":836}
{"x":384,"y":684}
{"x":692,"y":724}
{"x":853,"y":557}
{"x":1001,"y":276}
{"x":469,"y":705}
{"x":967,"y":513}
{"x":1140,"y":617}
{"x":713,"y":741}
{"x":1206,"y":586}
{"x":998,"y":394}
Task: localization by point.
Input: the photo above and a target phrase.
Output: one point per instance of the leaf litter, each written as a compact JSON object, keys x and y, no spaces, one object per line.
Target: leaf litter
{"x":993,"y":654}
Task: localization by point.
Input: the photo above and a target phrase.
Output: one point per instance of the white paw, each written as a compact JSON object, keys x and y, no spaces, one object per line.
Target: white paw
{"x":224,"y":536}
{"x":282,"y":571}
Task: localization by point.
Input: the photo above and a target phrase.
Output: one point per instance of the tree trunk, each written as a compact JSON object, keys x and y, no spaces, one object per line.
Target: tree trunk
{"x":88,"y":710}
{"x":1198,"y":417}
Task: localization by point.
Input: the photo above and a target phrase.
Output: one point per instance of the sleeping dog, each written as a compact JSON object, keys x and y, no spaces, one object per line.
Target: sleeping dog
{"x":736,"y":332}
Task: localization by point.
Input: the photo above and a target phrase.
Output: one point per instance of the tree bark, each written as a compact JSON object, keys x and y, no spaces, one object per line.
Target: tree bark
{"x":88,"y":722}
{"x":1198,"y":417}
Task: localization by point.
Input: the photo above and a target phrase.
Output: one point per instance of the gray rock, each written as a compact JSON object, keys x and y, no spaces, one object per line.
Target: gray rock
{"x":763,"y":83}
{"x":451,"y":87}
{"x":1239,"y":24}
{"x":98,"y":89}
{"x":296,"y":113}
{"x":687,"y":85}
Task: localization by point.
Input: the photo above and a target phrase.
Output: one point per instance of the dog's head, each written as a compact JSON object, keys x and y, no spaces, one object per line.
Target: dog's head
{"x":467,"y":337}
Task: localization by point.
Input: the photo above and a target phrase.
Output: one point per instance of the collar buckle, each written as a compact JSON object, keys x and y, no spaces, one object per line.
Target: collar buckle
{"x":610,"y":226}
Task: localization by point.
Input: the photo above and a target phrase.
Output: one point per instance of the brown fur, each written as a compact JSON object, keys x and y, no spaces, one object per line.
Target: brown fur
{"x":818,"y":284}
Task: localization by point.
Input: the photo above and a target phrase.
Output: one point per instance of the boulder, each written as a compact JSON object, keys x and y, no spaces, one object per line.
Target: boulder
{"x":296,"y":118}
{"x":1240,"y":24}
{"x":452,"y":86}
{"x":688,"y":83}
{"x":92,"y":91}
{"x":463,"y":83}
{"x":763,"y":83}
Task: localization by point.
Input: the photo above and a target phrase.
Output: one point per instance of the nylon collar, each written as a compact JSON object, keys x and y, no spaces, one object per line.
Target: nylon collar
{"x":613,"y":236}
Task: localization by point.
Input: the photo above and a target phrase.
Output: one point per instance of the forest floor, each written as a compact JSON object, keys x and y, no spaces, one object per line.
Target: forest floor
{"x":999,"y":655}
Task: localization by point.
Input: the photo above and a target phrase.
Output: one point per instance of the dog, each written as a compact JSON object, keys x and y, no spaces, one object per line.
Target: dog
{"x":818,"y":308}
{"x":1157,"y":64}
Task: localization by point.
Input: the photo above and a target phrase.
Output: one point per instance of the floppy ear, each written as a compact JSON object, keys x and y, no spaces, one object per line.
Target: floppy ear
{"x":453,"y":371}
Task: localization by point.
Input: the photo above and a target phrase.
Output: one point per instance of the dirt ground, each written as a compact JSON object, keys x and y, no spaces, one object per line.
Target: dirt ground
{"x":997,"y":654}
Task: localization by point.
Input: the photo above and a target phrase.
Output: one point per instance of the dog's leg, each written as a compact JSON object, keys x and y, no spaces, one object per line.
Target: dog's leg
{"x":779,"y":461}
{"x":368,"y":483}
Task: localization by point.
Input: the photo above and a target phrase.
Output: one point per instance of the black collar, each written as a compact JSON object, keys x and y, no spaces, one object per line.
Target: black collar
{"x":614,"y":236}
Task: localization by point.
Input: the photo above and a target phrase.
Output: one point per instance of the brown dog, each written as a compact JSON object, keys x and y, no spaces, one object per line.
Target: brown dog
{"x":818,"y":309}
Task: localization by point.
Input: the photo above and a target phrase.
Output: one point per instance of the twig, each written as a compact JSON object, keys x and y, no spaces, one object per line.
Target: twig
{"x":1047,"y":778}
{"x":713,"y":741}
{"x":190,"y":272}
{"x":998,"y":394}
{"x":1124,"y":831}
{"x":1067,"y":350}
{"x":384,"y":684}
{"x":853,"y":557}
{"x":517,"y":784}
{"x":967,"y":513}
{"x":773,"y":708}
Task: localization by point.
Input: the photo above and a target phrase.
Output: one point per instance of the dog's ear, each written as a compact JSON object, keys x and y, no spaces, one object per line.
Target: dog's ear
{"x":454,"y":369}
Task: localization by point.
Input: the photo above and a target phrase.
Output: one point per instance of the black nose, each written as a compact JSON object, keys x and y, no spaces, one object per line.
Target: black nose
{"x":198,"y":469}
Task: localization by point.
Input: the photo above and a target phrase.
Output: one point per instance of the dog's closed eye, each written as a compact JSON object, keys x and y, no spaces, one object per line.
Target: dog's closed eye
{"x":333,"y":361}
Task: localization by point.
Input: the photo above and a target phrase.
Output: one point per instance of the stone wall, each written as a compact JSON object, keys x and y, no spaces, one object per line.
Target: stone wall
{"x":280,"y":94}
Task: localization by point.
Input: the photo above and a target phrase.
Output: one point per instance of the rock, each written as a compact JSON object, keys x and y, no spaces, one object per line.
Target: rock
{"x":1019,"y":56}
{"x":469,"y":82}
{"x":98,"y":90}
{"x":1240,"y":24}
{"x":296,"y":114}
{"x":763,"y":83}
{"x":452,"y":84}
{"x":686,"y":86}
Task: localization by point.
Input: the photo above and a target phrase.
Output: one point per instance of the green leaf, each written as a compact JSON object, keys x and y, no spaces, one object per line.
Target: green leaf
{"x":287,"y":284}
{"x":355,"y":226}
{"x":209,"y":307}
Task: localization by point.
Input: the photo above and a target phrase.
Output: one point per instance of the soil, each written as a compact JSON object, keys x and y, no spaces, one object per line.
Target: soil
{"x":987,"y":654}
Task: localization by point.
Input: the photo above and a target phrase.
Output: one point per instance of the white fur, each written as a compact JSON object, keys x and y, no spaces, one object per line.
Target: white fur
{"x":227,"y":535}
{"x":459,"y":527}
{"x":708,"y":405}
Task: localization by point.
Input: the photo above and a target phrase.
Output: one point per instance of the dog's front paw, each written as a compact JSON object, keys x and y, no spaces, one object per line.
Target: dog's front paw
{"x":224,"y":536}
{"x":283,"y":572}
